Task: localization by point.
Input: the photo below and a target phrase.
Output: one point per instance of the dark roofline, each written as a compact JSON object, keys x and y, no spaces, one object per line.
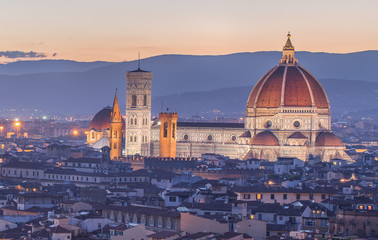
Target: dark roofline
{"x":210,"y":125}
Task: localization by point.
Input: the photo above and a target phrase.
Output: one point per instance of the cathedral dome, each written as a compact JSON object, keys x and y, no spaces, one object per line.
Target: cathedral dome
{"x":288,"y":85}
{"x":265,"y":138}
{"x":101,"y":120}
{"x":328,"y":139}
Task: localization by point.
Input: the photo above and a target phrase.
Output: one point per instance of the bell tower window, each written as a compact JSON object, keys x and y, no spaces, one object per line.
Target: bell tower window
{"x":133,"y":100}
{"x":145,"y":100}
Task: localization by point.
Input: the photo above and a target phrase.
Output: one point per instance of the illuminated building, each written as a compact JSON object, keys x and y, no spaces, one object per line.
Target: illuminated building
{"x":287,"y":115}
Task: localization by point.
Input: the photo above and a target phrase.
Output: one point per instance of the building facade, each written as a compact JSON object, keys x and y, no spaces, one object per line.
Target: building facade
{"x":287,"y":115}
{"x":138,"y":112}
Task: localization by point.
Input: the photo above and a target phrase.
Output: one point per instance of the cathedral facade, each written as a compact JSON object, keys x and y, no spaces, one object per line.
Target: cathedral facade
{"x":287,"y":115}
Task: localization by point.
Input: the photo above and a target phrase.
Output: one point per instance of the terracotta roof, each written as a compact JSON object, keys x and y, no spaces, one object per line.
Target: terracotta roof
{"x":297,"y":135}
{"x":101,"y":120}
{"x":246,"y":134}
{"x":162,"y":235}
{"x":298,"y":86}
{"x":228,"y":235}
{"x":328,"y":139}
{"x":59,"y":229}
{"x":25,"y":165}
{"x":194,"y":236}
{"x":265,"y":138}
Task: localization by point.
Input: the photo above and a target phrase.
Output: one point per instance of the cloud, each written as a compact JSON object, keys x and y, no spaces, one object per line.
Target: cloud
{"x":20,"y":54}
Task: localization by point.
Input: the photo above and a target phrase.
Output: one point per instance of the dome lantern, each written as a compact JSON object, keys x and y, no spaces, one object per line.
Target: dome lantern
{"x":288,"y":52}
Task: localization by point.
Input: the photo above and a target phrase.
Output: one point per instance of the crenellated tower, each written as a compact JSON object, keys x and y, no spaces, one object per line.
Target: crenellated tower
{"x":115,"y":133}
{"x":138,"y":112}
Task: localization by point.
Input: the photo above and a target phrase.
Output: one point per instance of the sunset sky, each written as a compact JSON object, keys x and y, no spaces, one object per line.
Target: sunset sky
{"x":115,"y":30}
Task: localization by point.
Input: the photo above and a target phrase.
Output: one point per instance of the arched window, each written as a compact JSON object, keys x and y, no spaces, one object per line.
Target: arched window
{"x":145,"y":100}
{"x":131,"y":138}
{"x":135,"y":121}
{"x":173,"y":130}
{"x":115,"y":146}
{"x":131,"y":121}
{"x":135,"y":138}
{"x":165,"y":129}
{"x":115,"y":134}
{"x":93,"y":135}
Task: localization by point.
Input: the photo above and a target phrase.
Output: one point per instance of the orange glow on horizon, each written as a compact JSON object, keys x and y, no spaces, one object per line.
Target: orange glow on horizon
{"x":169,"y":27}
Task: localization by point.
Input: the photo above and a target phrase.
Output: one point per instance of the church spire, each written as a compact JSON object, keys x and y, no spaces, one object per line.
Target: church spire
{"x":116,"y":113}
{"x":288,"y":52}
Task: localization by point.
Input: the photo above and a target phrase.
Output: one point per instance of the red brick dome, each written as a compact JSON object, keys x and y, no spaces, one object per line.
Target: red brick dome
{"x":328,"y":139}
{"x":101,"y":120}
{"x":289,"y":86}
{"x":265,"y":138}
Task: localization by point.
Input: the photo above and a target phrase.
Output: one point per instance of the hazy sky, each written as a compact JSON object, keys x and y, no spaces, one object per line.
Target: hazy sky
{"x":115,"y":30}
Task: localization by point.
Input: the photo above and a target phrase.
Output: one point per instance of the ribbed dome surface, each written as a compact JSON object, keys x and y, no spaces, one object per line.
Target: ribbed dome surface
{"x":101,"y":120}
{"x":326,"y":139}
{"x":289,"y":86}
{"x":265,"y":138}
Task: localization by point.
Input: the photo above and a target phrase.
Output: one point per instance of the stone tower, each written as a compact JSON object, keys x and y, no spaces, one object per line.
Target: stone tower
{"x":115,"y":133}
{"x":138,"y":112}
{"x":168,"y":133}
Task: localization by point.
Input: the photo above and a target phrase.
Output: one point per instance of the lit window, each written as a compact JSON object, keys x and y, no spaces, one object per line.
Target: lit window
{"x":369,"y":207}
{"x":361,"y":207}
{"x":258,"y":196}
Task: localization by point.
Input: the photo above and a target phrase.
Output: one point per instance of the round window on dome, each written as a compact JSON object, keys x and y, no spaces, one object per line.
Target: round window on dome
{"x":233,"y":138}
{"x":186,"y":137}
{"x":209,"y":137}
{"x":268,"y":124}
{"x":297,"y":124}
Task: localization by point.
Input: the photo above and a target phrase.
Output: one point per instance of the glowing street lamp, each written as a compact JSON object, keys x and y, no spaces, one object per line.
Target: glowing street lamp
{"x":17,"y":127}
{"x":75,"y":132}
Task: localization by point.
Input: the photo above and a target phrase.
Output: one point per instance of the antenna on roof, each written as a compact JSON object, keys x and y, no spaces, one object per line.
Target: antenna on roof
{"x":138,"y":60}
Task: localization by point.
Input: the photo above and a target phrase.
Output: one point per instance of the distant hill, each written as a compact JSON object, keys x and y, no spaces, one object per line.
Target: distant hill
{"x":41,"y":66}
{"x":81,"y":88}
{"x":346,"y":96}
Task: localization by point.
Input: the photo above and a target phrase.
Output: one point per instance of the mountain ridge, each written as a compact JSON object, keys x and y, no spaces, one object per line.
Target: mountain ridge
{"x":92,"y":85}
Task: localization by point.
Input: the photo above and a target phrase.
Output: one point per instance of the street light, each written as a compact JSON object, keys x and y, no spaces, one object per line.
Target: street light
{"x":75,"y":132}
{"x":17,"y":126}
